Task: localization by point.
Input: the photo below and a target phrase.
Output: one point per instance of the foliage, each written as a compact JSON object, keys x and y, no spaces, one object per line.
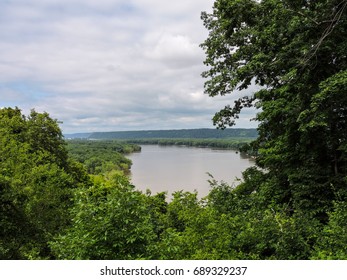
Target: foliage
{"x":102,"y":156}
{"x":230,"y":143}
{"x":332,"y":242}
{"x":36,"y":179}
{"x":110,"y":221}
{"x":202,"y":133}
{"x":230,"y":225}
{"x":294,"y":52}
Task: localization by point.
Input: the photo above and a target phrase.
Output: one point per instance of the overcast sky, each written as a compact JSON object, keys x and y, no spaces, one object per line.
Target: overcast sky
{"x":107,"y":65}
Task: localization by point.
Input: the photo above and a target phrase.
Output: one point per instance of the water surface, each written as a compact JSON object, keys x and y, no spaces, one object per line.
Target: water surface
{"x":173,"y":168}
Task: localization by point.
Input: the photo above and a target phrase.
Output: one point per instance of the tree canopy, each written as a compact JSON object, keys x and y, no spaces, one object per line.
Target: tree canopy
{"x":36,"y":182}
{"x":295,"y":51}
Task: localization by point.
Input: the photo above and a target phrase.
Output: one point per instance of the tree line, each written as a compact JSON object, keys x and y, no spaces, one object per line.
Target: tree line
{"x":202,"y":133}
{"x":229,"y":143}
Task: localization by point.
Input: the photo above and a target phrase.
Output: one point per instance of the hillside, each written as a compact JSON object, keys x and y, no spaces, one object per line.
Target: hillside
{"x":77,"y":135}
{"x":202,"y":133}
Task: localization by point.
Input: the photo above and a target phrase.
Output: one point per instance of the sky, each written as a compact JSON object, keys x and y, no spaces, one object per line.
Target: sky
{"x":109,"y":65}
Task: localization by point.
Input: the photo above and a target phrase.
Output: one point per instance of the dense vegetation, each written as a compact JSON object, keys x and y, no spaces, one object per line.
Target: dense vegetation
{"x":292,"y":205}
{"x":100,"y":157}
{"x":232,"y":144}
{"x":203,"y":133}
{"x":37,"y":181}
{"x":295,"y":51}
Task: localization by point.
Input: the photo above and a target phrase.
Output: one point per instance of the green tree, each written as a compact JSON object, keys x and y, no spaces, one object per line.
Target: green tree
{"x":332,"y":241}
{"x":36,"y":182}
{"x":110,"y":221}
{"x":102,"y":156}
{"x":296,"y":52}
{"x":44,"y":135}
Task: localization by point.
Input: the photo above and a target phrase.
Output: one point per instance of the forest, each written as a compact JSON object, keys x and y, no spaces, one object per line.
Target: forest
{"x":202,"y":133}
{"x":238,"y":144}
{"x":57,"y":202}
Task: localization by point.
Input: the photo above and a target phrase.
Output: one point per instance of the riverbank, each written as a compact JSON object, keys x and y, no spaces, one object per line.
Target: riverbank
{"x":229,"y":144}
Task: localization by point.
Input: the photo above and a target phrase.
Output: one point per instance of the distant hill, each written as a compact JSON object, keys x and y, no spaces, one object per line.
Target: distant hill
{"x":202,"y":133}
{"x":77,"y":135}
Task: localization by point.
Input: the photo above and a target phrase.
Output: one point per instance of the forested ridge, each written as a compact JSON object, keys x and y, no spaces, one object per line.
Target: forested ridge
{"x":202,"y":133}
{"x":56,"y":203}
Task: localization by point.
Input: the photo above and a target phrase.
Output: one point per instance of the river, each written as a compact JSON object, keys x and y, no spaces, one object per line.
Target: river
{"x":174,"y":168}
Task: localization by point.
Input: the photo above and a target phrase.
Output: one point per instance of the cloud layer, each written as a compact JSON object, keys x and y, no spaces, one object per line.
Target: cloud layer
{"x":108,"y":64}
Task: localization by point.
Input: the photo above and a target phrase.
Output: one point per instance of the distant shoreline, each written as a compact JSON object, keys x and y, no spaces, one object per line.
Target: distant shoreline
{"x":199,"y":133}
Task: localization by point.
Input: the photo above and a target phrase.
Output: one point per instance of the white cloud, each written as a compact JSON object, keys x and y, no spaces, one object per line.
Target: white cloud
{"x":107,"y":64}
{"x":176,"y":51}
